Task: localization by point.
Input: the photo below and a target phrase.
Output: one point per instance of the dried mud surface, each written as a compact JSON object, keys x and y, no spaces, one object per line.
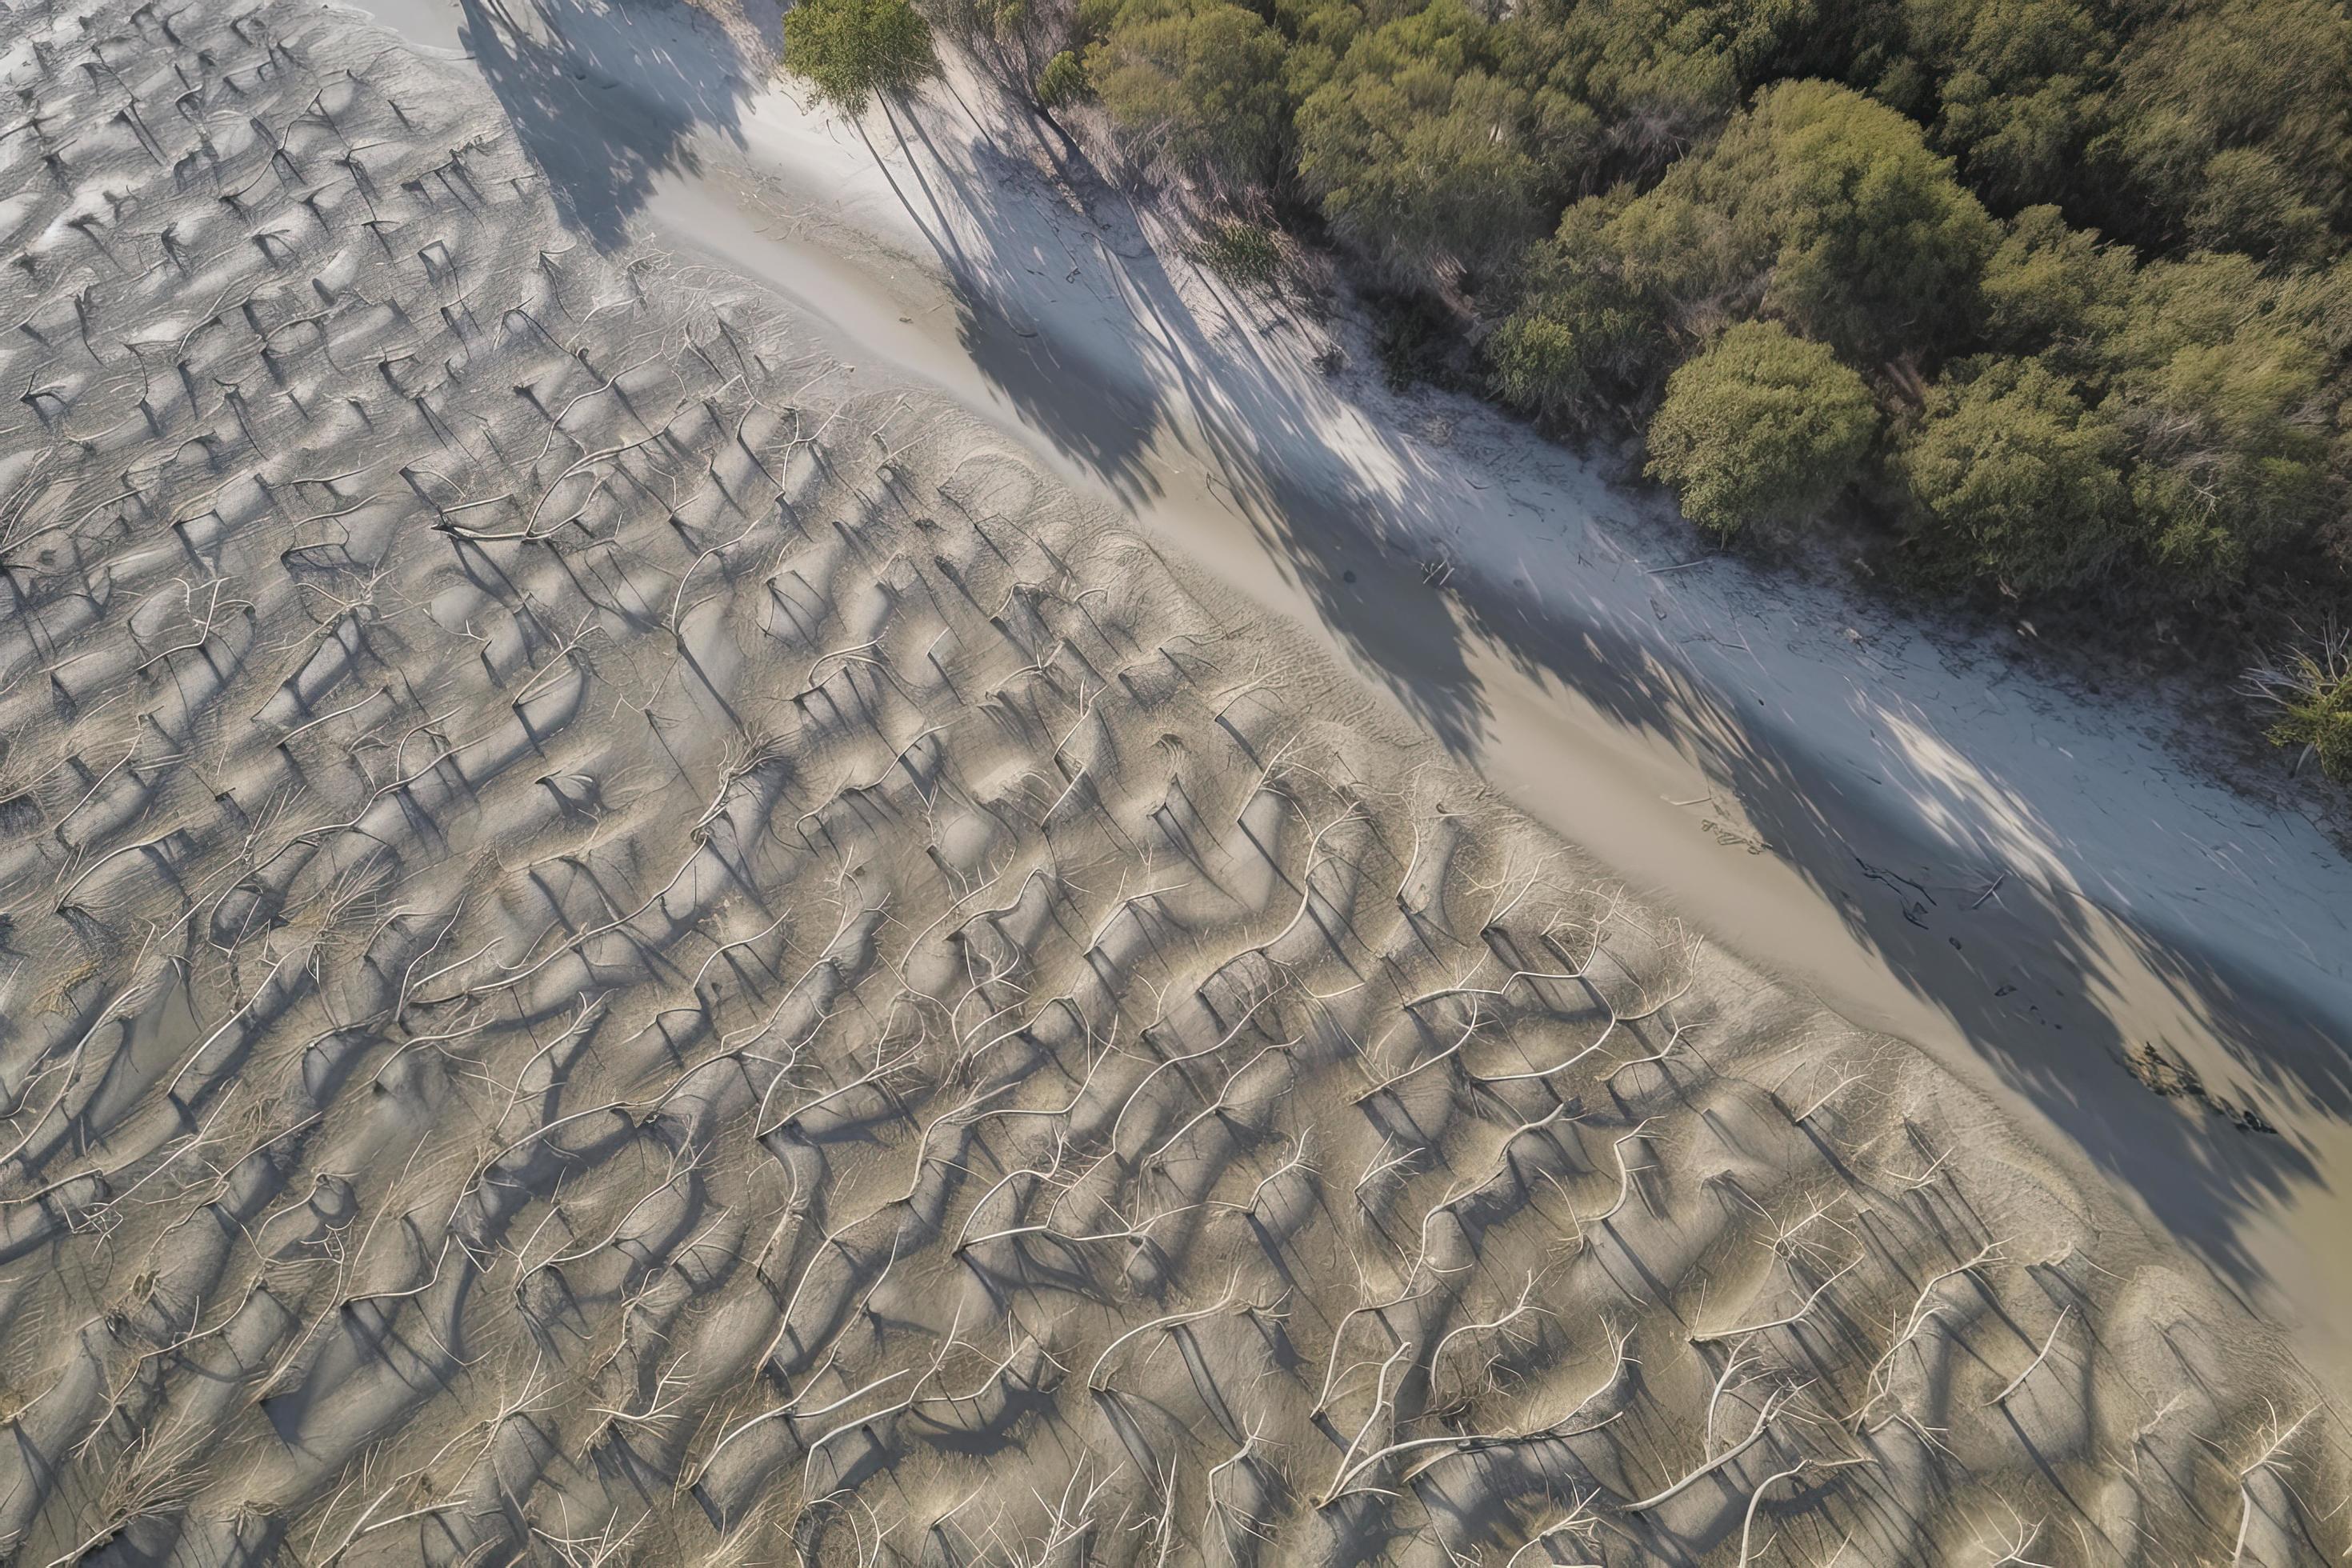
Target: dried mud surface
{"x":625,"y":943}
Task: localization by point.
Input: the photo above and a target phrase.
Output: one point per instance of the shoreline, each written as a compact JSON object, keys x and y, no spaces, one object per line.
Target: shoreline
{"x":633,"y":939}
{"x":2123,"y":905}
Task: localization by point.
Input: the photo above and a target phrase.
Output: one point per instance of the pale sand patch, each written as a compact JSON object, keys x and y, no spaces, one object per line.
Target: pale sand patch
{"x":628,"y":944}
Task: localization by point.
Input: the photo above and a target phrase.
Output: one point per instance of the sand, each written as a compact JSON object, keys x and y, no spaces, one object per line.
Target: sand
{"x":2036,"y":881}
{"x":634,"y":937}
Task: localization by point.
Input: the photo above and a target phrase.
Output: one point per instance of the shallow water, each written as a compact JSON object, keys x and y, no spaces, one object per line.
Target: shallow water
{"x":1948,"y":855}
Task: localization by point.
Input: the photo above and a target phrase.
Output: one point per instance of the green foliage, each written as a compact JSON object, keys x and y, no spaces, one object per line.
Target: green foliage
{"x":2231,"y":126}
{"x":1574,"y":352}
{"x":1241,"y":252}
{"x":2019,"y":89}
{"x":1659,"y":75}
{"x":1762,"y":427}
{"x":1200,"y":80}
{"x":1409,"y":117}
{"x":1871,"y":231}
{"x":2311,"y":693}
{"x":1633,"y":83}
{"x":2221,"y":385}
{"x":1542,"y":364}
{"x":2011,"y":477}
{"x":1419,"y":147}
{"x":1579,"y":340}
{"x":1825,"y":208}
{"x":849,"y":51}
{"x":2249,"y":201}
{"x":1320,"y":32}
{"x":1063,"y":81}
{"x":2055,"y":289}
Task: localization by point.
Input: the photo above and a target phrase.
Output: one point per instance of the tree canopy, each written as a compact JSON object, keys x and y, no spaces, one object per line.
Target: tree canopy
{"x":2231,"y":123}
{"x":1418,"y":145}
{"x":2223,"y":384}
{"x":1198,"y":80}
{"x":2011,"y":478}
{"x":849,"y":51}
{"x":1583,"y":340}
{"x":1762,"y":427}
{"x":2060,"y":289}
{"x":2016,"y":89}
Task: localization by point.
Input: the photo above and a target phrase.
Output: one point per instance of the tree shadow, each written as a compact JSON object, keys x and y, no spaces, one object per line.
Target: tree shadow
{"x":2024,"y":940}
{"x":1074,"y":318}
{"x":1070,"y":314}
{"x":1103,"y":417}
{"x":605,"y":99}
{"x":1963,"y":880}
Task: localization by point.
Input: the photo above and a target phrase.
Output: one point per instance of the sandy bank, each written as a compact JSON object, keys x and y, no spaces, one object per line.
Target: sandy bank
{"x":2024,"y":879}
{"x":633,"y":935}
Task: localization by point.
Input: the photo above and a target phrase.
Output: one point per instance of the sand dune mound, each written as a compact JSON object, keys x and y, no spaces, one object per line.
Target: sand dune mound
{"x":624,"y":943}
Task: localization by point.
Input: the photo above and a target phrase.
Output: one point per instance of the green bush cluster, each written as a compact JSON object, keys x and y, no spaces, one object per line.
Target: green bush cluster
{"x":1196,"y":81}
{"x":2081,"y":262}
{"x":1063,"y":81}
{"x":1241,"y":252}
{"x":1763,"y":425}
{"x":2065,"y":413}
{"x":2313,"y":700}
{"x":850,"y":51}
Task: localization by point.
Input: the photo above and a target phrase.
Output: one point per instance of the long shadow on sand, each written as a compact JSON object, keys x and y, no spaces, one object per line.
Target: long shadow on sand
{"x":2025,"y":971}
{"x":2023,"y":974}
{"x":1123,"y":402}
{"x":606,"y":102}
{"x":605,"y":99}
{"x":1103,"y":417}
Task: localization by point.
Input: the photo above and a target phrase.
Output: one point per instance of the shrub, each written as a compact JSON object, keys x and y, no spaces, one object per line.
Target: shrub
{"x":1580,"y":342}
{"x":2223,"y":389}
{"x":1762,"y":427}
{"x":2052,"y":288}
{"x":848,"y":50}
{"x":2311,"y":693}
{"x":2011,"y":478}
{"x":1063,"y":81}
{"x":2017,"y":85}
{"x":2232,"y":125}
{"x":1200,"y":80}
{"x":1873,"y":233}
{"x":1830,"y":211}
{"x":1541,"y":367}
{"x":1416,"y":147}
